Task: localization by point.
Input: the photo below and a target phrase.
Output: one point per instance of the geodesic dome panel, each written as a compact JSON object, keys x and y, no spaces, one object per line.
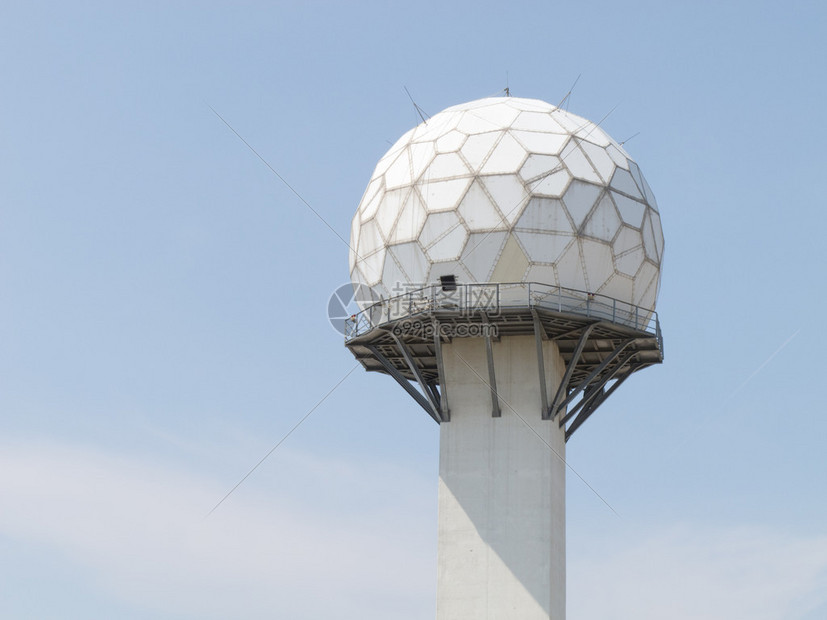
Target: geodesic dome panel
{"x":508,"y":190}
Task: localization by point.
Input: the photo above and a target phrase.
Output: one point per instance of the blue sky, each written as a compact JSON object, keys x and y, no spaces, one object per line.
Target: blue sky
{"x":163,"y":307}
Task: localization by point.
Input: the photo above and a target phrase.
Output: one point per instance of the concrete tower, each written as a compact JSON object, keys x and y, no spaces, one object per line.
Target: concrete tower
{"x":512,"y":252}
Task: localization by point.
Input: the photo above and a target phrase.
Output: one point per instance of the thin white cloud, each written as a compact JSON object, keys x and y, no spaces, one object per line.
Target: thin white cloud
{"x":138,"y":528}
{"x":692,"y":572}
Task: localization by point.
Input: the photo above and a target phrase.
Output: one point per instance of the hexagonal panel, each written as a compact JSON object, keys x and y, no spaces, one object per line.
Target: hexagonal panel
{"x":603,"y":221}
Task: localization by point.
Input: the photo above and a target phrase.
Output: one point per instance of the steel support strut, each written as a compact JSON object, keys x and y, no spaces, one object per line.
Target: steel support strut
{"x":424,"y":402}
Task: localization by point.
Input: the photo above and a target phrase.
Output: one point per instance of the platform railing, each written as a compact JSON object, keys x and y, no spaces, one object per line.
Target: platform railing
{"x":493,"y":298}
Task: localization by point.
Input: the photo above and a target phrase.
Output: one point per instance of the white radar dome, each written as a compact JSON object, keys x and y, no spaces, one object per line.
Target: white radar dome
{"x":508,"y":190}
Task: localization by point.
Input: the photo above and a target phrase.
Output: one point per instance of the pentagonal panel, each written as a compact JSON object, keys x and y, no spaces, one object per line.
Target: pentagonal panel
{"x":481,"y":253}
{"x":443,"y":195}
{"x":477,"y":147}
{"x":603,"y":221}
{"x":545,"y":215}
{"x":410,"y":220}
{"x":631,"y":211}
{"x":478,"y":211}
{"x":579,"y":199}
{"x":509,"y":194}
{"x":507,"y":157}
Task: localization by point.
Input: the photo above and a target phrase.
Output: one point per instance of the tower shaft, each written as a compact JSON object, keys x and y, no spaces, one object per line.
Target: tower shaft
{"x":501,"y":547}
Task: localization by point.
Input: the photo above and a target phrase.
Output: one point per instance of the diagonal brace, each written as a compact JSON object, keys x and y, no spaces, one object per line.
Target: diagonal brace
{"x":554,"y":409}
{"x":401,"y":380}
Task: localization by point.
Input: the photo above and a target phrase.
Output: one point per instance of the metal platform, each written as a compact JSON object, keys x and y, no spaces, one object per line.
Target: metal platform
{"x":602,"y":341}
